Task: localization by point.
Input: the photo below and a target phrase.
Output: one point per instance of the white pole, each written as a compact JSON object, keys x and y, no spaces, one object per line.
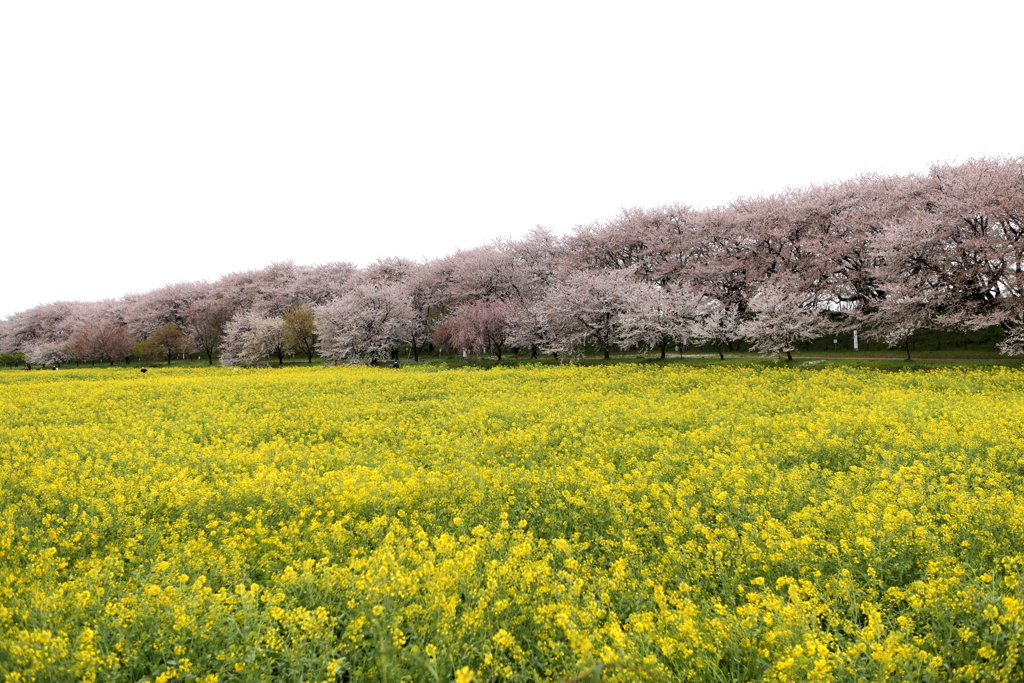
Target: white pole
{"x":855,"y":340}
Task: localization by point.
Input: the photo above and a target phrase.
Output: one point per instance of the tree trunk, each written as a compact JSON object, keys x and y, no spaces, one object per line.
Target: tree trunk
{"x":721,"y":356}
{"x":906,"y":345}
{"x":607,"y":355}
{"x":664,"y":347}
{"x":789,"y":357}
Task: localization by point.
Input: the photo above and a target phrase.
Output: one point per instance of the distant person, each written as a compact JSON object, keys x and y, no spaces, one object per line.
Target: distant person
{"x":56,"y":367}
{"x":143,"y":369}
{"x":395,"y":365}
{"x":27,"y":366}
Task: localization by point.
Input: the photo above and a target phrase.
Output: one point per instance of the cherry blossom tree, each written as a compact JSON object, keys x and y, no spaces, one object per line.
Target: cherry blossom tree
{"x":403,"y":283}
{"x":782,"y":316}
{"x":250,"y":339}
{"x":716,"y":324}
{"x":269,"y":290}
{"x":1013,"y":342}
{"x":423,"y":304}
{"x":367,"y":323}
{"x":46,"y":353}
{"x":480,"y":327}
{"x":52,"y":322}
{"x":714,"y":262}
{"x":115,"y":341}
{"x":82,"y":347}
{"x":910,"y":281}
{"x":590,"y":307}
{"x":515,"y":273}
{"x":840,"y":223}
{"x":205,"y":323}
{"x":888,"y":253}
{"x":904,"y":310}
{"x":486,"y":273}
{"x":527,"y":327}
{"x":663,"y":315}
{"x":976,"y":230}
{"x":387,"y":271}
{"x":320,"y":284}
{"x":655,"y":243}
{"x":540,"y":256}
{"x":616,"y":244}
{"x":147,"y":312}
{"x":103,"y":339}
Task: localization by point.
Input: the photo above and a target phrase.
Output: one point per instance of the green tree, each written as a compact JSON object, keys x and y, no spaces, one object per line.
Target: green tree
{"x":12,"y":359}
{"x":170,"y":340}
{"x":147,"y":351}
{"x":300,"y":330}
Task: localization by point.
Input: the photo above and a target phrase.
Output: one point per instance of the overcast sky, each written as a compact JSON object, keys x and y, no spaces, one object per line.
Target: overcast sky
{"x":149,"y":143}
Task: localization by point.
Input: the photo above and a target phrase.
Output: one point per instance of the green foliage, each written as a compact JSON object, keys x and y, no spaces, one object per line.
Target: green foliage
{"x":12,"y":359}
{"x":167,"y":342}
{"x":300,"y":331}
{"x":147,"y":350}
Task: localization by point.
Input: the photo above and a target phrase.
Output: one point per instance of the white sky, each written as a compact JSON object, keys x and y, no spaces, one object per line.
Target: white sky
{"x":149,"y":143}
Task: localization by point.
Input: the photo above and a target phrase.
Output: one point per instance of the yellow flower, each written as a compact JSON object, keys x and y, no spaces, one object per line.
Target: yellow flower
{"x":626,"y":493}
{"x":503,"y":638}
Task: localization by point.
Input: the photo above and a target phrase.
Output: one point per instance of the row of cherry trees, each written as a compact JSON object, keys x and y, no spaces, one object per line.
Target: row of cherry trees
{"x":887,"y":255}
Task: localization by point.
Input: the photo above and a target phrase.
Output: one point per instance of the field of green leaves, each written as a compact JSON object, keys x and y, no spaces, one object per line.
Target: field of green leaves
{"x":536,"y":524}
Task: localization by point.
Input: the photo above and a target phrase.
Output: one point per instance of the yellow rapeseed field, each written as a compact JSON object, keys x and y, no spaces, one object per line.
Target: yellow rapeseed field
{"x":531,"y":524}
